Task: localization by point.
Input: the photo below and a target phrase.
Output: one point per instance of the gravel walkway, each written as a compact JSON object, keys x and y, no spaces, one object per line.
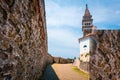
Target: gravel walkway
{"x":65,"y":72}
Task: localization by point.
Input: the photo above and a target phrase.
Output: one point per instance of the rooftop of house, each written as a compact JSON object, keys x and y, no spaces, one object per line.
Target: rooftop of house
{"x":87,"y":36}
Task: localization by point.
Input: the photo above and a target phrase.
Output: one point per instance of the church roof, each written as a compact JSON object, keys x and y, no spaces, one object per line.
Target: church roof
{"x":86,"y":37}
{"x":87,"y":12}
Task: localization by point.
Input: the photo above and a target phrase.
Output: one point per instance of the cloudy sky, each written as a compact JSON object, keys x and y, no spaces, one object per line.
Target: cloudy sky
{"x":64,"y":19}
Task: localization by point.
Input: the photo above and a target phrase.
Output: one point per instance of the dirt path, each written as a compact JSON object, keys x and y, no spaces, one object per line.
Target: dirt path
{"x":66,"y":72}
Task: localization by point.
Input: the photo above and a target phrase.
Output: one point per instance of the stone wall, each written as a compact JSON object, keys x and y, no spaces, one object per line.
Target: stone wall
{"x":50,"y":59}
{"x":61,"y":60}
{"x":105,"y":62}
{"x":65,"y":61}
{"x":23,"y":39}
{"x":84,"y":66}
{"x":76,"y":63}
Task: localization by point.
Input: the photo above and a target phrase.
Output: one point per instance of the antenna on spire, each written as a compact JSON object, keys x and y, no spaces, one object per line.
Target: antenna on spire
{"x":86,"y":6}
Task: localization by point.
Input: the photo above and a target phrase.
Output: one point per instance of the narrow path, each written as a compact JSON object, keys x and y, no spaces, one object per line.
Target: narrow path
{"x":66,"y":72}
{"x":63,"y":72}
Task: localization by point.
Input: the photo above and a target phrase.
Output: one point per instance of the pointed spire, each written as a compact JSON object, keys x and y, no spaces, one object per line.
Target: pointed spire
{"x":87,"y":13}
{"x":86,"y":6}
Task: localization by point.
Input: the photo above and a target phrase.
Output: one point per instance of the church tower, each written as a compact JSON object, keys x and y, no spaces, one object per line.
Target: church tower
{"x":87,"y":42}
{"x":87,"y":26}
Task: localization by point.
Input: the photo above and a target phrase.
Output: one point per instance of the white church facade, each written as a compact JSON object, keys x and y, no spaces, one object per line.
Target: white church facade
{"x":87,"y":46}
{"x":84,"y":49}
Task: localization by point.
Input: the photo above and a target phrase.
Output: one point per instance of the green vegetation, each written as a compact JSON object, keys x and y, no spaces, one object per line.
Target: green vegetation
{"x":87,"y":54}
{"x":81,"y":61}
{"x":81,"y":72}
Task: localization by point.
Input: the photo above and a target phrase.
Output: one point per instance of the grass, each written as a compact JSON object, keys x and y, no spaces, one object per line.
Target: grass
{"x":81,"y":72}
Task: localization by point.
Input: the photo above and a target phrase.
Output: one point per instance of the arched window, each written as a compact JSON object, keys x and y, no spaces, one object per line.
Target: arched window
{"x":84,"y":46}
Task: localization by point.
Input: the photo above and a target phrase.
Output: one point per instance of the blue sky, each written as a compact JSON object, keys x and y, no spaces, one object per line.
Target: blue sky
{"x":64,"y":19}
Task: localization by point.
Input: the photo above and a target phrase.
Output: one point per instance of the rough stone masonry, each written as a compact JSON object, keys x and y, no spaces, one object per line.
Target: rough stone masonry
{"x":23,"y":39}
{"x":105,"y":61}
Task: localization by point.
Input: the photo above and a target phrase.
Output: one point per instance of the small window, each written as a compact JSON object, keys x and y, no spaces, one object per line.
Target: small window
{"x":84,"y":46}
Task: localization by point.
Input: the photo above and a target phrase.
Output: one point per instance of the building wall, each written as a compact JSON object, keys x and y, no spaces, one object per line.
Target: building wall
{"x":84,"y":66}
{"x":85,"y":57}
{"x":84,"y":45}
{"x":23,"y":39}
{"x":76,"y":63}
{"x":86,"y":53}
{"x":93,"y":45}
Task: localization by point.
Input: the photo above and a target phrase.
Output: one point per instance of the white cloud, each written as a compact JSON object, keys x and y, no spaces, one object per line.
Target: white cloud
{"x":63,"y":43}
{"x":61,"y":40}
{"x":100,"y":14}
{"x":104,"y":14}
{"x":62,"y":15}
{"x":64,"y":52}
{"x":63,"y":37}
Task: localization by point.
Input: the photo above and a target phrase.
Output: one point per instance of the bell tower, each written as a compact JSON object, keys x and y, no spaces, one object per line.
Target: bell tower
{"x":87,"y":22}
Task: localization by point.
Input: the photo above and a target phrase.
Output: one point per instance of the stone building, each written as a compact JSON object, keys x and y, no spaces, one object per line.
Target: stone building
{"x":87,"y":42}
